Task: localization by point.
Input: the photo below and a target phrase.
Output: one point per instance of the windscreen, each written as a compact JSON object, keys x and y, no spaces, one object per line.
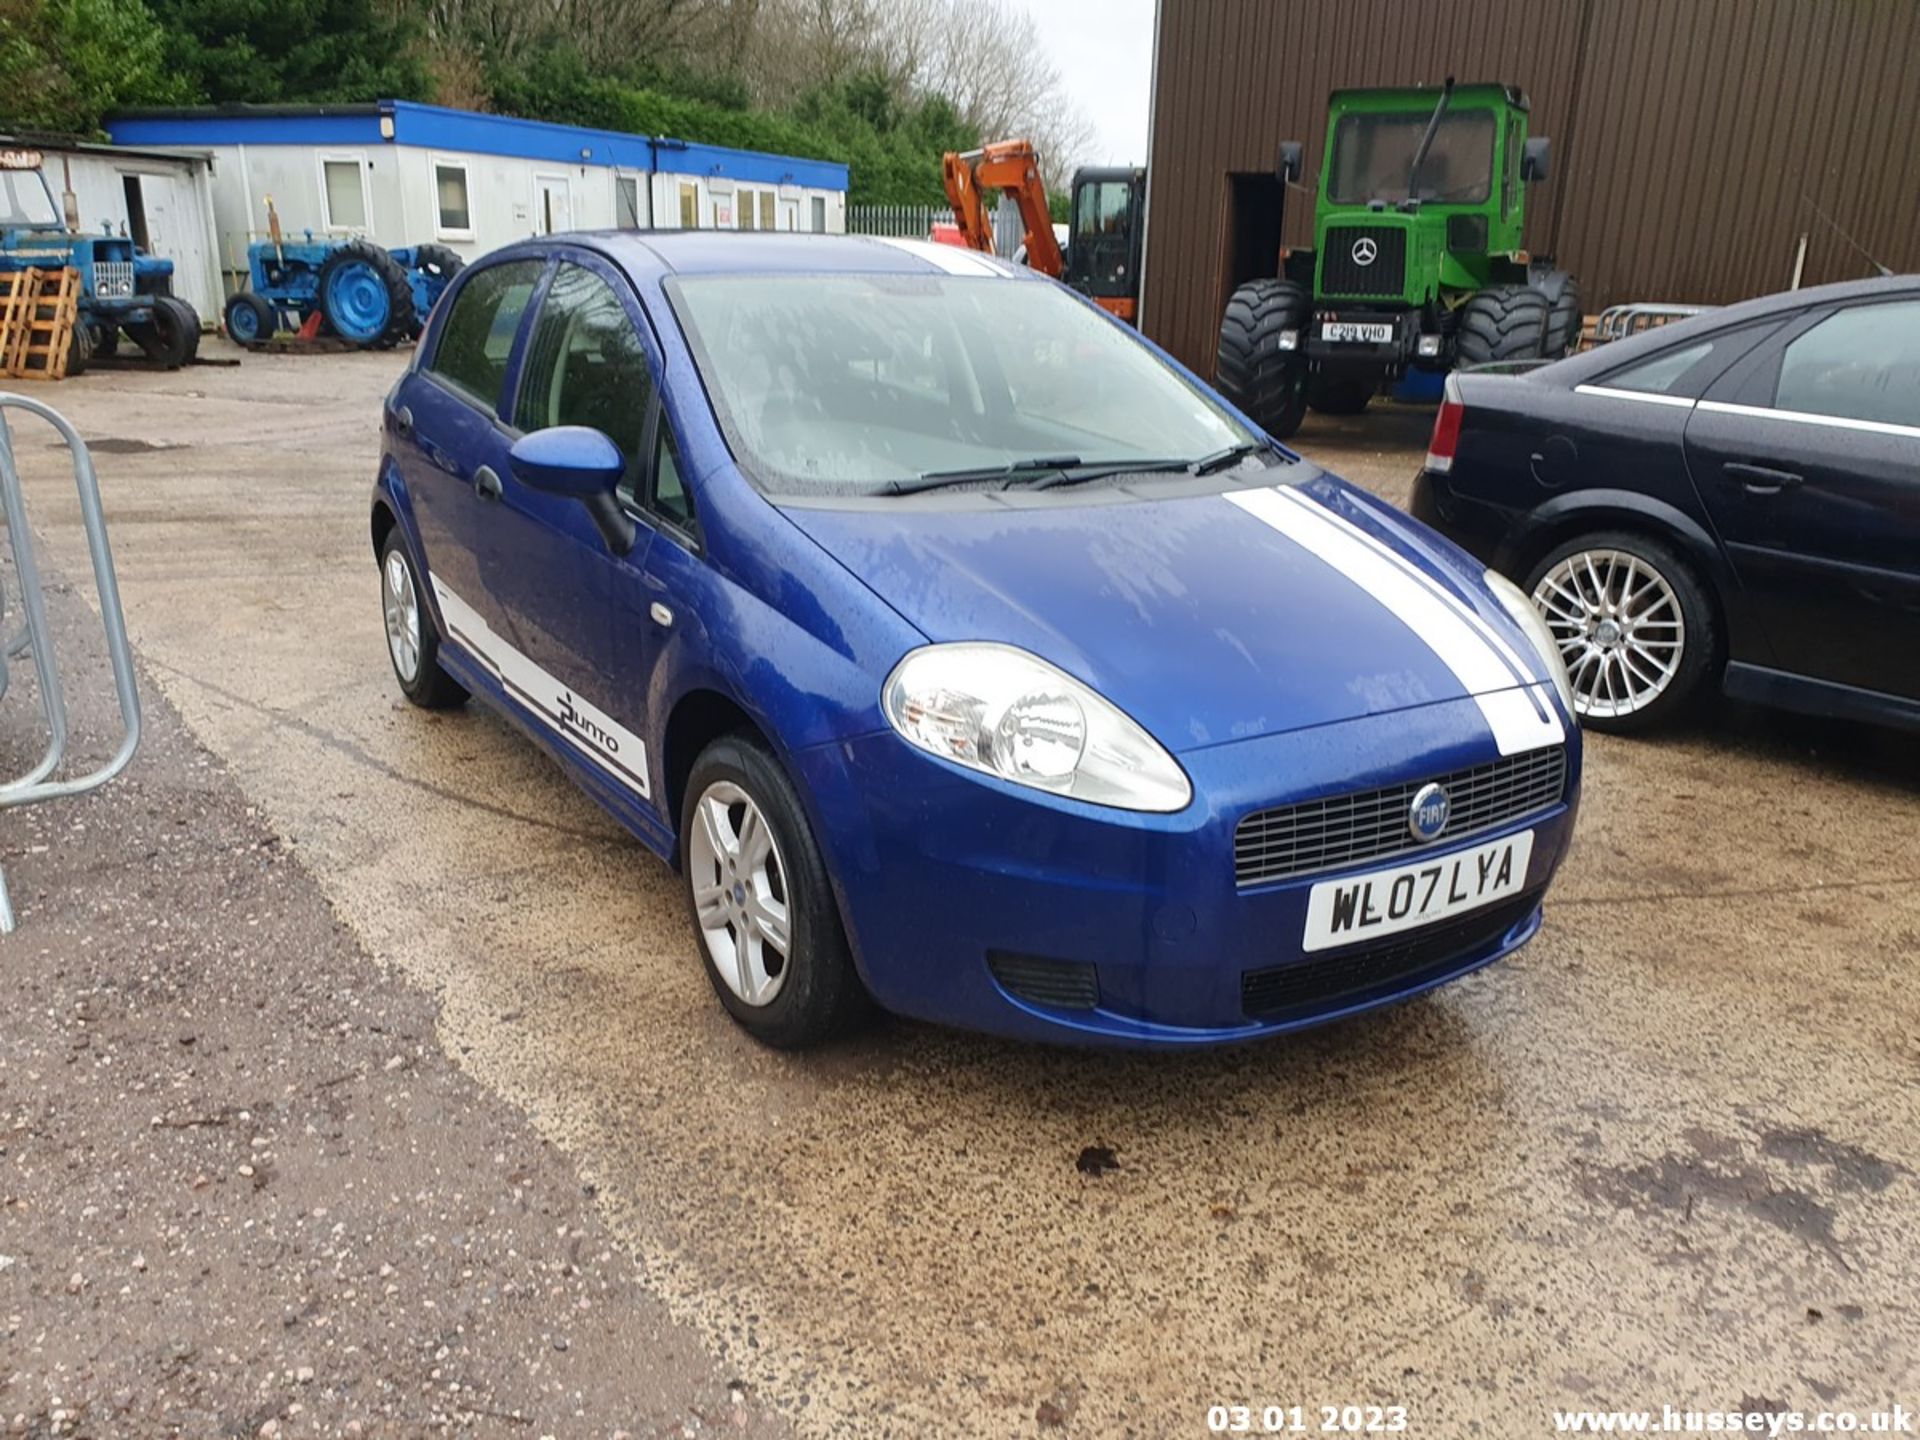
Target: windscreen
{"x":851,"y":384}
{"x":1373,"y":159}
{"x":25,"y":203}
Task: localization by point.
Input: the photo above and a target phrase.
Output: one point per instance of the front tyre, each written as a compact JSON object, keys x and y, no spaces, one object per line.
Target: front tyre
{"x":1503,"y":322}
{"x":1267,"y":383}
{"x":762,"y":906}
{"x":1635,"y":625}
{"x":413,"y":645}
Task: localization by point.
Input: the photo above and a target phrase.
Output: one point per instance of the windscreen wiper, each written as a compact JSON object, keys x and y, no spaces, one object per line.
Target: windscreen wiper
{"x":1231,"y":455}
{"x":973,"y":475}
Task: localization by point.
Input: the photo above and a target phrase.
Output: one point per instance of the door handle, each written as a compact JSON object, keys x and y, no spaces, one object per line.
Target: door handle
{"x":486,"y":484}
{"x":1760,"y":479}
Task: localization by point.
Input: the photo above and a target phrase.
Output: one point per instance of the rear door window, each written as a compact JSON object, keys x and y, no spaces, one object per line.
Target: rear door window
{"x":1861,"y":363}
{"x":477,"y":339}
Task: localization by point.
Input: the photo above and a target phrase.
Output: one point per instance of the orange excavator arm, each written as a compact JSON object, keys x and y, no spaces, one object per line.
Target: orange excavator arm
{"x":1012,"y":166}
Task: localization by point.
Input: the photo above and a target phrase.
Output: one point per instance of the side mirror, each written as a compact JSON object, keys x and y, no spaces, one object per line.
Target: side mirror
{"x":1292,"y":154}
{"x":1535,"y":158}
{"x":580,"y":463}
{"x":570,"y":460}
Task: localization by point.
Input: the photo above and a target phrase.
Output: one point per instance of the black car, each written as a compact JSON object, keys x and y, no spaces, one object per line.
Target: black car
{"x":1732,"y":499}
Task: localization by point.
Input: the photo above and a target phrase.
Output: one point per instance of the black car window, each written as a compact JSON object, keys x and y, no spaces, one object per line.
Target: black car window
{"x":670,"y":495}
{"x":477,"y":339}
{"x":585,"y":364}
{"x":1663,"y":374}
{"x":1861,"y":363}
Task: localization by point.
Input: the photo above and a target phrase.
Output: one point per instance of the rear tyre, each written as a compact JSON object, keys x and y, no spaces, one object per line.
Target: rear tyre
{"x":413,"y":645}
{"x":1635,"y":624}
{"x":365,"y":297}
{"x":250,"y":319}
{"x":1339,"y":395}
{"x":1564,"y":315}
{"x":439,"y":261}
{"x":79,"y":349}
{"x":762,"y":906}
{"x":170,"y":338}
{"x":1503,"y":322}
{"x":1269,"y":384}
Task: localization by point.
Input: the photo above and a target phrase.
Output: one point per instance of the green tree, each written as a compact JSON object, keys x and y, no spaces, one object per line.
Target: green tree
{"x":65,"y":63}
{"x":292,"y":51}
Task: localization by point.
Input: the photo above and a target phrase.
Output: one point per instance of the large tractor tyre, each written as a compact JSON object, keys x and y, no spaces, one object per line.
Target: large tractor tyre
{"x":1343,"y":395}
{"x":1268,"y":383}
{"x":250,"y":320}
{"x":1564,"y":315}
{"x":365,"y":297}
{"x":170,"y":338}
{"x":1503,"y":322}
{"x":439,"y":261}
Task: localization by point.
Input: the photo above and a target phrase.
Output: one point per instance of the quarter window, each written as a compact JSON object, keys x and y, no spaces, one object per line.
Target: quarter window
{"x":474,"y":347}
{"x":670,"y":495}
{"x":585,"y":365}
{"x":1663,"y":374}
{"x":1861,"y":363}
{"x":453,"y":215}
{"x":626,"y":202}
{"x":346,"y":197}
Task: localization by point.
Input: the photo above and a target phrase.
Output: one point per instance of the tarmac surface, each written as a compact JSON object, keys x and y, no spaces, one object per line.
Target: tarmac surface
{"x":1667,"y":1154}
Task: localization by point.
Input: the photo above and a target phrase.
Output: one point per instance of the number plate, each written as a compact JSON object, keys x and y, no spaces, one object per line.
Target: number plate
{"x":1354,"y":332}
{"x":1365,"y":907}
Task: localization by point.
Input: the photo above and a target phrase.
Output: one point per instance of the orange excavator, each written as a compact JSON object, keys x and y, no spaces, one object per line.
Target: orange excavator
{"x":1012,"y":166}
{"x":1104,"y":222}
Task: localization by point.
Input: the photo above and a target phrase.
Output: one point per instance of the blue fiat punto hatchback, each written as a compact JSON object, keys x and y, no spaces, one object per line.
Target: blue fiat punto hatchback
{"x":964,"y":653}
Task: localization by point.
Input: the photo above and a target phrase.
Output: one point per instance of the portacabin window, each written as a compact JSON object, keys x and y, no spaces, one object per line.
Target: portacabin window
{"x":477,"y":340}
{"x":452,"y":203}
{"x":626,"y":202}
{"x":689,"y":205}
{"x":343,"y":188}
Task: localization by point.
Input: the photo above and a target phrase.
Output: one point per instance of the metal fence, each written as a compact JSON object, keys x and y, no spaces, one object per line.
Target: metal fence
{"x":916,"y":222}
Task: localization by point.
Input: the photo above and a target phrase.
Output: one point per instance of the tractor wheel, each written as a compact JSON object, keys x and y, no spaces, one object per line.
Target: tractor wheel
{"x":106,"y":341}
{"x":439,"y":261}
{"x":171,"y":336}
{"x":1503,"y":322}
{"x":1251,"y":370}
{"x":79,"y":349}
{"x":1564,"y":315}
{"x":365,"y":296}
{"x":250,"y":320}
{"x":1342,"y":396}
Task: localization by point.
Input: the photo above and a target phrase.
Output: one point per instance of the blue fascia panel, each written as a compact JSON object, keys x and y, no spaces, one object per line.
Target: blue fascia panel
{"x":684,"y":157}
{"x":207,"y":131}
{"x":435,"y":127}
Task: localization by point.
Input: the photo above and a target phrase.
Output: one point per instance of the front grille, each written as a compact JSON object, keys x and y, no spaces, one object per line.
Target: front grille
{"x":1380,"y":965}
{"x":1065,"y":984}
{"x":112,"y":279}
{"x":1384,"y":277}
{"x":1343,"y":830}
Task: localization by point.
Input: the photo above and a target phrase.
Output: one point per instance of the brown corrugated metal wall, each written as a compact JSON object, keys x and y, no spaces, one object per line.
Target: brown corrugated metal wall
{"x":1693,"y":139}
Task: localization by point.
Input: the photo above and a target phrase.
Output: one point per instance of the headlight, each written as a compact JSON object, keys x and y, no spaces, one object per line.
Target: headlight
{"x":1000,"y":710}
{"x":1515,"y":600}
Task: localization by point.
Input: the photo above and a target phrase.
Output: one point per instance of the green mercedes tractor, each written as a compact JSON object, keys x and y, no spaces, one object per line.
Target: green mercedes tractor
{"x":1416,"y":264}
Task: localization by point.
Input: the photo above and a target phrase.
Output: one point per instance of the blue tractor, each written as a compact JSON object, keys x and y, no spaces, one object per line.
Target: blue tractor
{"x":122,"y":290}
{"x":365,"y":294}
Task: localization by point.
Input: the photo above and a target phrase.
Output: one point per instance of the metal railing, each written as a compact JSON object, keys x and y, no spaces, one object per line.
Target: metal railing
{"x":1619,"y":321}
{"x":35,"y":636}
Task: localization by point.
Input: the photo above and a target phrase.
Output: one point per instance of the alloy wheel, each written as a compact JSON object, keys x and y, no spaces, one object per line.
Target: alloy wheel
{"x":1620,"y":630}
{"x":740,"y":894}
{"x":402,"y":606}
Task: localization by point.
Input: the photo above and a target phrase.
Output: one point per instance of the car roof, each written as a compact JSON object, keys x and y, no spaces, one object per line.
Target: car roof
{"x":659,"y":253}
{"x":1577,"y":369}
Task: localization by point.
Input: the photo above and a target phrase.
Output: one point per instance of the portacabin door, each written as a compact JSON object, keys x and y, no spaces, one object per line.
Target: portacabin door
{"x":1807,"y":458}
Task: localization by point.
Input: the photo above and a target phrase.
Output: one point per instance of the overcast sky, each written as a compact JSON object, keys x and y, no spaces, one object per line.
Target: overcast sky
{"x":1104,"y":50}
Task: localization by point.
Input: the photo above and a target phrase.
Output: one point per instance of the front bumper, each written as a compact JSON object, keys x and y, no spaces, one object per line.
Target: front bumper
{"x":945,"y":876}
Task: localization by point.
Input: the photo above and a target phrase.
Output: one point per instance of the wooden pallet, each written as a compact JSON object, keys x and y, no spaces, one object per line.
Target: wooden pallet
{"x":38,"y":310}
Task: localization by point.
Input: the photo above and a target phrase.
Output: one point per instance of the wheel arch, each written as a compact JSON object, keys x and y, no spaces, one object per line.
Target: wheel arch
{"x":702,"y":714}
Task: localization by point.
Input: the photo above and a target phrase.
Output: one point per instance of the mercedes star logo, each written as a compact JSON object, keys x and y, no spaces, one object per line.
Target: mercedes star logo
{"x":1365,"y":252}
